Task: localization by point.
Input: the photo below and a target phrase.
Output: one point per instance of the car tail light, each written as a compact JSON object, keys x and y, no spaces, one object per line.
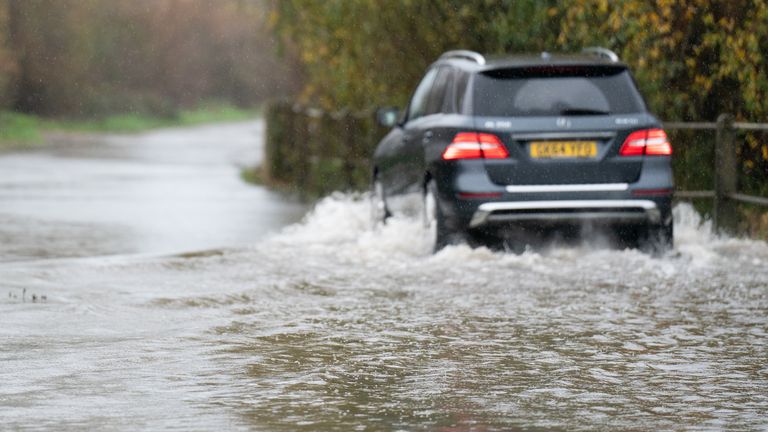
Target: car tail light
{"x":473,"y":145}
{"x":652,"y":192}
{"x":651,"y":142}
{"x":658,"y":143}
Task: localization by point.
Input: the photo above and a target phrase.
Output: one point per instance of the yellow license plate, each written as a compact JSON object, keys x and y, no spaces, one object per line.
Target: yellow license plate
{"x":563,"y":149}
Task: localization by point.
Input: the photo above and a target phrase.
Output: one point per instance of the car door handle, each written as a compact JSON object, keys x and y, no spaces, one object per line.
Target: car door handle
{"x":427,"y":137}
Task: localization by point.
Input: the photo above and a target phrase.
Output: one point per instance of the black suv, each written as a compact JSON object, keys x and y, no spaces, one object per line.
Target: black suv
{"x":492,"y":151}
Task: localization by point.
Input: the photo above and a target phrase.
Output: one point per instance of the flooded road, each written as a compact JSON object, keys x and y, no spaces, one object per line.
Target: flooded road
{"x":166,"y":191}
{"x":328,"y":324}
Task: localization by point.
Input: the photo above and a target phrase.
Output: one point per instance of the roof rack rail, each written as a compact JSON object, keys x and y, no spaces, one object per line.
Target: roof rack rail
{"x":465,"y":54}
{"x":602,"y":53}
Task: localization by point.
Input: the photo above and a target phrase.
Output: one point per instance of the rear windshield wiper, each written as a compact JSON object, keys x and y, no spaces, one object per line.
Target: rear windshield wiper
{"x":582,"y":111}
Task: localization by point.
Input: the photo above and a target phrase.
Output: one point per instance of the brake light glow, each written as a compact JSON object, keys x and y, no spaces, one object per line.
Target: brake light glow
{"x":652,"y":192}
{"x":658,"y":143}
{"x":473,"y":145}
{"x":650,"y":142}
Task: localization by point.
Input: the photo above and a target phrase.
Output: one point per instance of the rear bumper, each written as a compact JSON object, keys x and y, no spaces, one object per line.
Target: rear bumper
{"x":567,"y":211}
{"x":470,"y":200}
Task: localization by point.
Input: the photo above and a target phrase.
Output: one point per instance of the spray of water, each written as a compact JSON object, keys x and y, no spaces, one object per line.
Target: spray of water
{"x":340,"y":225}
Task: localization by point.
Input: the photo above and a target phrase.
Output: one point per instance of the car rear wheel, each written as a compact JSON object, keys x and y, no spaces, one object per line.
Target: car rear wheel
{"x":379,"y":210}
{"x":653,"y":239}
{"x":658,"y":240}
{"x":438,"y":234}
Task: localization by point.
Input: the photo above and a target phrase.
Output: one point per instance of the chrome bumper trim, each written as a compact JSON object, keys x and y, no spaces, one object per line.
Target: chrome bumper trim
{"x":549,"y":209}
{"x":561,"y":135}
{"x":597,"y":187}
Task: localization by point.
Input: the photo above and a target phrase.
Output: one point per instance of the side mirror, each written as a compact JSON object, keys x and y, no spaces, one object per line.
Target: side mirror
{"x":388,"y":116}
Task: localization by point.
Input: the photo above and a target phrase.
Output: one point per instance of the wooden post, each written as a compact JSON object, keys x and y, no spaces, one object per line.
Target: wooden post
{"x":283,"y":163}
{"x":277,"y":129}
{"x":349,"y":151}
{"x":302,"y":134}
{"x":725,"y":216}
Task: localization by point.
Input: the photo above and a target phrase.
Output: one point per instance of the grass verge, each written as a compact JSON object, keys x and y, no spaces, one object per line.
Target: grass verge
{"x":257,"y":176}
{"x":134,"y":122}
{"x":253,"y":175}
{"x":19,"y":131}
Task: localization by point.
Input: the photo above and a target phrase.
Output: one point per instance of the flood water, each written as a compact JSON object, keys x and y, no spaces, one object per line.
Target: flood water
{"x":328,"y":324}
{"x":166,"y":191}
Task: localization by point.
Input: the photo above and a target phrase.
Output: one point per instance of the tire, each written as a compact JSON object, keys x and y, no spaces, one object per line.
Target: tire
{"x":434,"y":220}
{"x":652,"y":239}
{"x":659,"y":239}
{"x":379,"y":211}
{"x":630,"y":237}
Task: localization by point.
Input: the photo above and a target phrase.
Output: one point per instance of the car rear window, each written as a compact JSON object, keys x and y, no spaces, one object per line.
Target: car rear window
{"x":555,"y":91}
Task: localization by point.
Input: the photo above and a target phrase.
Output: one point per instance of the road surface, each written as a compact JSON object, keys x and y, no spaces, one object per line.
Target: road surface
{"x":328,"y":324}
{"x":175,"y":190}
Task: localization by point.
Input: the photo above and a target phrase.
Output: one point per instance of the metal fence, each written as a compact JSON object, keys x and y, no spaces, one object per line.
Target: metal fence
{"x":726,"y":169}
{"x":316,"y":152}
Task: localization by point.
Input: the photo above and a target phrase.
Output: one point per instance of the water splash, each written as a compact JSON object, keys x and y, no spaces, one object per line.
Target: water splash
{"x":341,"y":225}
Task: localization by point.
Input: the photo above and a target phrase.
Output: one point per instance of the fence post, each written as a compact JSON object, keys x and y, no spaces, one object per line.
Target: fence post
{"x":350,"y":140}
{"x":725,"y":214}
{"x":270,"y":114}
{"x":302,"y":135}
{"x":279,"y":130}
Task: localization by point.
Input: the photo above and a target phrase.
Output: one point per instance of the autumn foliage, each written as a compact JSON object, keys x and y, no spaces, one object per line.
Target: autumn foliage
{"x":693,"y":59}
